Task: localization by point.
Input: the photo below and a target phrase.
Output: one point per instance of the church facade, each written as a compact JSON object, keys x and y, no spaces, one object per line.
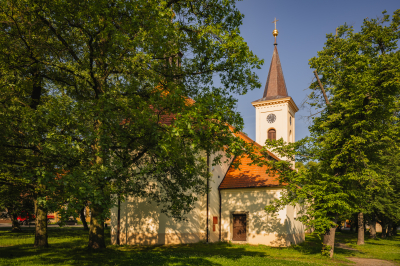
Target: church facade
{"x":233,"y":210}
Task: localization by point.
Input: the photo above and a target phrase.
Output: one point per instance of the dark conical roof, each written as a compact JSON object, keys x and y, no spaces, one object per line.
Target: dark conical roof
{"x":275,"y":87}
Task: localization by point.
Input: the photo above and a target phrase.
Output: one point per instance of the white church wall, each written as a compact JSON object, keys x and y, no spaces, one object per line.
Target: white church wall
{"x":278,"y":230}
{"x":296,"y":230}
{"x":142,"y":223}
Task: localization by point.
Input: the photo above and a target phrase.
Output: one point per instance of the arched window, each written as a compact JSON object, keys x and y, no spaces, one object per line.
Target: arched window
{"x":272,"y":134}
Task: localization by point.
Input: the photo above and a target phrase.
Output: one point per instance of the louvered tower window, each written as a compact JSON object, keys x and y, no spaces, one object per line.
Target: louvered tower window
{"x":272,"y":134}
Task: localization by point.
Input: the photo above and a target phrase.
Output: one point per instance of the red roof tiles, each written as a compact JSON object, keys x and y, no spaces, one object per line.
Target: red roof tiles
{"x":248,"y":176}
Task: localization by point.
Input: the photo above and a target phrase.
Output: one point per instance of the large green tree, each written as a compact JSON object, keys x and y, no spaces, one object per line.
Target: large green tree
{"x":137,"y":80}
{"x":31,"y":119}
{"x":358,"y":98}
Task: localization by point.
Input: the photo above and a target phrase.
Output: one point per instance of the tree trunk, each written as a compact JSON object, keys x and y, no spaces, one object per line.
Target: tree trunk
{"x":119,"y":221}
{"x":40,"y":226}
{"x":96,"y":231}
{"x":329,"y":239}
{"x":389,"y":229}
{"x":372,"y":227}
{"x":360,"y":229}
{"x":15,"y":225}
{"x":384,"y":227}
{"x":83,"y":219}
{"x":394,"y":230}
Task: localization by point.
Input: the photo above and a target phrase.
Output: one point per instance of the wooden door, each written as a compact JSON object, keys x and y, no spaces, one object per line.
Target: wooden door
{"x":239,"y":227}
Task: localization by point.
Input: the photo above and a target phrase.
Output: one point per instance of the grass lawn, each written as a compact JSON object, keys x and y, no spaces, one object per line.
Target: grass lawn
{"x":384,"y":249}
{"x":68,"y":247}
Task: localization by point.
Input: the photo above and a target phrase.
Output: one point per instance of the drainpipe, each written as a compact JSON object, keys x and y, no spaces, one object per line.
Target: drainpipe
{"x":220,"y":207}
{"x":208,"y":171}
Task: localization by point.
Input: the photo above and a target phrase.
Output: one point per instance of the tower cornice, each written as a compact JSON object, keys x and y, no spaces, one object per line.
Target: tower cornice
{"x":288,"y":100}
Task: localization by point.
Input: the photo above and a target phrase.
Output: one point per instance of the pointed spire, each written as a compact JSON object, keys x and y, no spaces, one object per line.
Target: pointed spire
{"x":275,"y":85}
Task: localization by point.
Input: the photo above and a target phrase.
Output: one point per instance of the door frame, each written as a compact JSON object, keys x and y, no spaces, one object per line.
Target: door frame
{"x":231,"y":213}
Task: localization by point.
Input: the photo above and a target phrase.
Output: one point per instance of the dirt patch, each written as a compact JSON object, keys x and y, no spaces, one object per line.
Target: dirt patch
{"x":371,"y":262}
{"x":344,"y":246}
{"x":4,"y":221}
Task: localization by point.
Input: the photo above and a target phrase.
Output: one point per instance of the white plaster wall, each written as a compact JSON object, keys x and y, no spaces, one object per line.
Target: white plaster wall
{"x":142,"y":223}
{"x":283,"y":109}
{"x":294,"y":225}
{"x":278,"y":230}
{"x":291,"y":127}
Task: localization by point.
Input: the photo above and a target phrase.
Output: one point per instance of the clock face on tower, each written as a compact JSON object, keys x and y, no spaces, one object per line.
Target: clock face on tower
{"x":271,"y":118}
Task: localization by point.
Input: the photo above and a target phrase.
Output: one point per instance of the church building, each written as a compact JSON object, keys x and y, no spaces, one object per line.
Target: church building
{"x":233,"y":210}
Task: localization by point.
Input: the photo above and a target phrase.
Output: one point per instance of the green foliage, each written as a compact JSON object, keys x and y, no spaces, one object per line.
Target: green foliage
{"x":326,"y":250}
{"x":126,"y":98}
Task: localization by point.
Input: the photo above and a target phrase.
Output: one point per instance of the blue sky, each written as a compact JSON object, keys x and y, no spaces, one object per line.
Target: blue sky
{"x":302,"y":28}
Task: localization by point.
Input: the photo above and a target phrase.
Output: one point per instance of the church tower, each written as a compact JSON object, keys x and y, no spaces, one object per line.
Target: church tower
{"x":275,"y":111}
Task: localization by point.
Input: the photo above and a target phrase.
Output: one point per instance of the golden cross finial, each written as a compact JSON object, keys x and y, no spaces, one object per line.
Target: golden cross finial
{"x":276,"y":20}
{"x":275,"y":32}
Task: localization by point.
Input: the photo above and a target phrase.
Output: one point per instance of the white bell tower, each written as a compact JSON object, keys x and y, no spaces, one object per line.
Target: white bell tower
{"x":275,"y":111}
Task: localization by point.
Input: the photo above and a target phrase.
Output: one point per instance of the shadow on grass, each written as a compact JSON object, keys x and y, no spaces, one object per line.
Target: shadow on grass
{"x":375,"y":244}
{"x":313,"y":246}
{"x":68,"y":246}
{"x":347,"y":252}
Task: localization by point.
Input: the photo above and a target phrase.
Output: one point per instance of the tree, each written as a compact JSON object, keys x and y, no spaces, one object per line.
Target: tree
{"x":129,"y":71}
{"x":34,"y":116}
{"x":83,"y":218}
{"x":360,"y":74}
{"x":384,"y":207}
{"x":15,"y":198}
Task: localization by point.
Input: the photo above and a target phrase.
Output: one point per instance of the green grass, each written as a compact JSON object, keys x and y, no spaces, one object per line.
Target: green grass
{"x":384,"y":249}
{"x":68,"y":247}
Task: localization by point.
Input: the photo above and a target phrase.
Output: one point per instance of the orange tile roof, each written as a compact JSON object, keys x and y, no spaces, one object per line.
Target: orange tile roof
{"x":248,"y":176}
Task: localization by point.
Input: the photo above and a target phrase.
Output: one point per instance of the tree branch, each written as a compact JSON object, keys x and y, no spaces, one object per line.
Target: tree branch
{"x":60,"y":38}
{"x":322,"y":88}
